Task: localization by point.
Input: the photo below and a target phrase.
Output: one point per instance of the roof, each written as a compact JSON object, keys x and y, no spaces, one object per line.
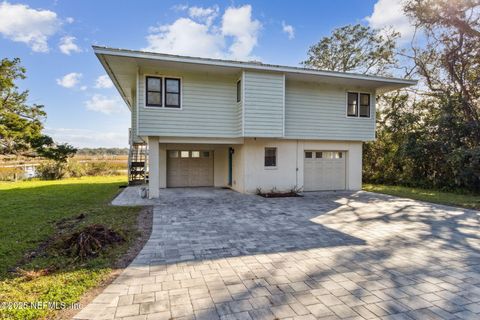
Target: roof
{"x":109,"y":56}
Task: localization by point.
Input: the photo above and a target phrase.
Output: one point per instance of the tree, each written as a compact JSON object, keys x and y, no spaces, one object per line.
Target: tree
{"x":354,"y":48}
{"x":20,"y":123}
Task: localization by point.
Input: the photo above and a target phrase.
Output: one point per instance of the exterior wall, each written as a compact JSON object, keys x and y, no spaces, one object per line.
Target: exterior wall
{"x":154,"y":167}
{"x":238,"y":168}
{"x":315,"y":111}
{"x":264,"y":104}
{"x":208,"y":107}
{"x":290,"y":156}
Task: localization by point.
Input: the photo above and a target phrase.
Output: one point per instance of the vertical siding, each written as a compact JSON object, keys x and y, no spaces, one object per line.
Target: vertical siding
{"x":314,"y":111}
{"x":209,"y":108}
{"x":264,"y":99}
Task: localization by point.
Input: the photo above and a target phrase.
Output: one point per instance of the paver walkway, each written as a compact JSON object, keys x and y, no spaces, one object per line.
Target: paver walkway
{"x":219,"y":254}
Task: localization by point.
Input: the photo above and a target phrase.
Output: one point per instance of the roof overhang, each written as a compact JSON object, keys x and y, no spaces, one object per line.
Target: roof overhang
{"x":122,"y":66}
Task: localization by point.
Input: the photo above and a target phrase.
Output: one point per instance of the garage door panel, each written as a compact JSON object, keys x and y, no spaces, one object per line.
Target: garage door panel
{"x":190,"y":171}
{"x":324,"y":170}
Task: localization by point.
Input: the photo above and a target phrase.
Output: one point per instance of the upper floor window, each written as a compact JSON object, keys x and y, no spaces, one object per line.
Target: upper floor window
{"x":162,"y":92}
{"x":154,"y":91}
{"x":270,"y":157}
{"x":358,"y":104}
{"x":239,"y":90}
{"x":172,"y":93}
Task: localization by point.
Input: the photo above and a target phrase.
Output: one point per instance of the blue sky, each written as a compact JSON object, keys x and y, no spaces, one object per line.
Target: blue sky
{"x":54,"y":38}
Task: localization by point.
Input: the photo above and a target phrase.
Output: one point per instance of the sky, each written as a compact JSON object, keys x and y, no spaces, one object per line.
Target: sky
{"x":53,"y":39}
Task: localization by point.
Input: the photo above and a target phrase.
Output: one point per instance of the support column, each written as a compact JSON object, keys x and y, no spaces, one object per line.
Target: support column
{"x":153,"y":167}
{"x":163,"y":166}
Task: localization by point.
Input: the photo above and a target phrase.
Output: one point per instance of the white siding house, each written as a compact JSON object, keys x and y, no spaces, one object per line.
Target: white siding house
{"x":243,"y":125}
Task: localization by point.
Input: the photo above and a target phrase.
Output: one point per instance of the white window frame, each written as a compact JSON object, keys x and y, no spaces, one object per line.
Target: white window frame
{"x":358,"y":106}
{"x":163,"y":76}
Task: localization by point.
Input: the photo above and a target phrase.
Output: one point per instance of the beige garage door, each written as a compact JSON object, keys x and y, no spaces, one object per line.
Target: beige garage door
{"x":324,"y":170}
{"x":189,"y":168}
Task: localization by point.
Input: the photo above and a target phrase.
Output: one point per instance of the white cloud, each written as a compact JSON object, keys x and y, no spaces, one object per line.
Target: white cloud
{"x":70,"y":20}
{"x":70,"y":80}
{"x":103,"y":82}
{"x":67,"y":45}
{"x":198,"y":35}
{"x":20,"y":23}
{"x":103,"y":104}
{"x":288,"y":29}
{"x":83,"y":138}
{"x":389,"y":13}
{"x":238,"y":23}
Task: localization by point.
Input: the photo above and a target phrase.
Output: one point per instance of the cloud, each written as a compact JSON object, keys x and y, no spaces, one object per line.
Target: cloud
{"x":103,"y":82}
{"x":83,"y":138}
{"x":67,"y":45}
{"x":20,"y":23}
{"x":238,"y":23}
{"x":288,"y":29}
{"x":70,"y":80}
{"x":389,"y":13}
{"x":198,"y":35}
{"x":70,"y":20}
{"x":103,"y":104}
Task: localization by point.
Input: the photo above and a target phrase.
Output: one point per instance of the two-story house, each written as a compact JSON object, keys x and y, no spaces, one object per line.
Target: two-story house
{"x":245,"y":125}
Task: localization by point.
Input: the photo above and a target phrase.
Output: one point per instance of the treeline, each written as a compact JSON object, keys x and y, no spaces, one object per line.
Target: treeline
{"x":102,"y":151}
{"x":428,"y":136}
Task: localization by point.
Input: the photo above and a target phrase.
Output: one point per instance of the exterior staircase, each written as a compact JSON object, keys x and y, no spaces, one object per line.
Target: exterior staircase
{"x":137,"y":164}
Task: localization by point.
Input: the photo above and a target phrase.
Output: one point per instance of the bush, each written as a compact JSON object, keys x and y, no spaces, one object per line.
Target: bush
{"x":101,"y":169}
{"x":51,"y":170}
{"x":9,"y":174}
{"x":75,"y":169}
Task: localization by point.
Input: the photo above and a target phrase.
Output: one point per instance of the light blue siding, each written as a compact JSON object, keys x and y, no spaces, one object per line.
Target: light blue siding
{"x":209,"y":108}
{"x":314,"y":111}
{"x":264,"y":104}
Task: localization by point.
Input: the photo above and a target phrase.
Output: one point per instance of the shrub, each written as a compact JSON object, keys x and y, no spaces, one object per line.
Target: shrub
{"x":75,"y":169}
{"x":11,"y":173}
{"x":51,"y":170}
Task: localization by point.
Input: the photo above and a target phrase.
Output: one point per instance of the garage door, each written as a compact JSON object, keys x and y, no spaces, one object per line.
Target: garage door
{"x":324,"y":170}
{"x":189,"y":168}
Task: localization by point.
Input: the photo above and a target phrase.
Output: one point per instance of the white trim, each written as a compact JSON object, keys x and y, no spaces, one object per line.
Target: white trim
{"x":137,"y":98}
{"x":237,"y":64}
{"x":358,"y":92}
{"x":283,"y":106}
{"x":163,"y":76}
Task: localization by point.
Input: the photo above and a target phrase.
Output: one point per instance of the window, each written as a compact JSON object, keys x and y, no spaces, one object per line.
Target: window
{"x":195,"y":154}
{"x":172,"y":93}
{"x":205,"y":154}
{"x":318,"y":155}
{"x":173,"y":154}
{"x":358,"y":104}
{"x":239,"y":90}
{"x":270,"y":157}
{"x":352,"y":105}
{"x":364,"y":105}
{"x":154,"y":91}
{"x":332,"y":155}
{"x":308,"y":154}
{"x":184,"y":154}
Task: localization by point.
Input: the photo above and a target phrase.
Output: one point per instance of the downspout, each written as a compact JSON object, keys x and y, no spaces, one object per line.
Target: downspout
{"x":296,"y":167}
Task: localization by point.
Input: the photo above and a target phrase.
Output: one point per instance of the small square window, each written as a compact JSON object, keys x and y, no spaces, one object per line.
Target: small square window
{"x":195,"y":154}
{"x":184,"y":154}
{"x":270,"y":157}
{"x":318,"y":155}
{"x":205,"y":154}
{"x":339,"y":155}
{"x":308,"y":154}
{"x":173,"y":154}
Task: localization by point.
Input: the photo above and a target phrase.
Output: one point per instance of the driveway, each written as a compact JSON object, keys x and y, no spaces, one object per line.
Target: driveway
{"x":216,"y":253}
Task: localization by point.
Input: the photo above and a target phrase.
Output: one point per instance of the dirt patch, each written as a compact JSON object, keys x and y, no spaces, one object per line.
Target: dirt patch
{"x":279,"y":194}
{"x":144,"y":227}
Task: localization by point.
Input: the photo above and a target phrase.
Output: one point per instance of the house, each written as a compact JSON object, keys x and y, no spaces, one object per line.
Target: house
{"x":244,"y":125}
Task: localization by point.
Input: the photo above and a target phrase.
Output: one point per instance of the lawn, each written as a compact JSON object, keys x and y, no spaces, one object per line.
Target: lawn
{"x":33,"y":216}
{"x":470,"y":201}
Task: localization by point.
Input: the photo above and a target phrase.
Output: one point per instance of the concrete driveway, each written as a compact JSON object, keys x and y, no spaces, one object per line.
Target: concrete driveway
{"x":215,"y":253}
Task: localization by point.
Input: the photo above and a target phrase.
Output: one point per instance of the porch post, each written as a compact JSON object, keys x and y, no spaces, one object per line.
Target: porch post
{"x":154,"y":167}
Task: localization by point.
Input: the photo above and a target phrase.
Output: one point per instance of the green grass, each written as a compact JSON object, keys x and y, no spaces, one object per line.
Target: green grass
{"x":470,"y":201}
{"x":30,"y":212}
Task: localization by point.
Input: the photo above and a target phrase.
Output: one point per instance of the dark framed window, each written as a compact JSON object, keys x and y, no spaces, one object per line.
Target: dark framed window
{"x":270,"y":157}
{"x":239,"y":90}
{"x":154,"y":91}
{"x":308,"y":154}
{"x":365,"y":105}
{"x":352,"y":104}
{"x":172,"y":93}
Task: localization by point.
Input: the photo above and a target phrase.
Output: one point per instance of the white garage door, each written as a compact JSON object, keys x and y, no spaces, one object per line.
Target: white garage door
{"x":324,"y":170}
{"x":189,"y":168}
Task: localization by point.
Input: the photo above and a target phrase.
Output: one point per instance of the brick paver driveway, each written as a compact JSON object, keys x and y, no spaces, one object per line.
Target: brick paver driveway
{"x":220,"y":254}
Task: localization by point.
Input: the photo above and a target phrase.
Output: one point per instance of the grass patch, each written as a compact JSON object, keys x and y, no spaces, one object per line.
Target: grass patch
{"x":34,"y":216}
{"x":469,"y":201}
